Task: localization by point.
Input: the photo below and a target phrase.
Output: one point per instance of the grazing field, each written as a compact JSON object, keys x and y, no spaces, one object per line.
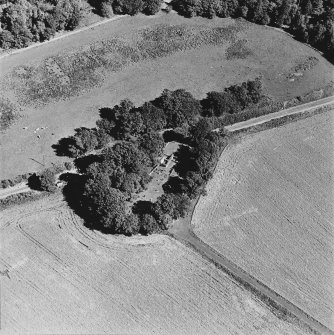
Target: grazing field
{"x":63,"y":84}
{"x":269,"y":209}
{"x":59,"y":277}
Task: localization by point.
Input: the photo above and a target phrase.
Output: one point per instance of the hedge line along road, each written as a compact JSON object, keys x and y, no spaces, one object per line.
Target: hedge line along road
{"x":277,"y":115}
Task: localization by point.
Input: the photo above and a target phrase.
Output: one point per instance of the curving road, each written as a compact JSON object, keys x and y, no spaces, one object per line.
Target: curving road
{"x":183,"y":232}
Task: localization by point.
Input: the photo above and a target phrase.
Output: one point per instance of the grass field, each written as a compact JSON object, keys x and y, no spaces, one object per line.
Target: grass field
{"x":63,"y":84}
{"x":65,"y":279}
{"x":269,"y":209}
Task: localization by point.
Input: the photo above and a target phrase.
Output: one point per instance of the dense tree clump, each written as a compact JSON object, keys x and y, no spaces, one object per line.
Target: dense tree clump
{"x":116,"y":157}
{"x":26,"y":21}
{"x":45,"y":181}
{"x":311,"y":21}
{"x":130,"y":7}
{"x":234,"y":98}
{"x":179,"y":106}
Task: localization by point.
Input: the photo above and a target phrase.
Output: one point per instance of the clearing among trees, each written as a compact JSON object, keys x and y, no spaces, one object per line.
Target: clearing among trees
{"x":269,"y":209}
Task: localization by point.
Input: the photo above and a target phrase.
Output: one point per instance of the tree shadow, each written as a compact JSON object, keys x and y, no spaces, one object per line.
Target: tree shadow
{"x":63,"y":145}
{"x":174,"y":185}
{"x":95,"y":5}
{"x":106,"y":113}
{"x":34,"y":182}
{"x":185,"y":160}
{"x":82,"y":163}
{"x":142,"y":207}
{"x":172,"y":135}
{"x":73,"y":191}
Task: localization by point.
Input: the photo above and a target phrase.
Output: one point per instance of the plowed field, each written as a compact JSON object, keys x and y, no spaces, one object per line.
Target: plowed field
{"x":65,"y":279}
{"x":269,"y":209}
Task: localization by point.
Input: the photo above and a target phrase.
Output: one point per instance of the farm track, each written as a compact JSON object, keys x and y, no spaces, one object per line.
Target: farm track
{"x":262,"y":291}
{"x":184,"y":233}
{"x":277,"y":115}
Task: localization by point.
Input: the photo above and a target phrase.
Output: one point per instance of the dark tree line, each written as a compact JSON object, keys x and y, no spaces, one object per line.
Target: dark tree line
{"x":116,"y":156}
{"x":26,"y":21}
{"x":311,"y":21}
{"x":132,"y":7}
{"x":234,"y":99}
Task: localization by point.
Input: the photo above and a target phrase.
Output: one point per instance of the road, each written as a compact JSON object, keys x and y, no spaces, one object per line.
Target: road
{"x":183,"y":232}
{"x":284,"y":112}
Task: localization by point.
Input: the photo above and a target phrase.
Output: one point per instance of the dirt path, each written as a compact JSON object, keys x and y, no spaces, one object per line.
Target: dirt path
{"x":19,"y":188}
{"x":182,"y":231}
{"x":290,"y":111}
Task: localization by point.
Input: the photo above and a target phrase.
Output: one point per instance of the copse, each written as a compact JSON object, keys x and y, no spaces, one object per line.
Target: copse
{"x":179,"y":106}
{"x":112,"y":176}
{"x":125,"y":165}
{"x":105,"y":204}
{"x":153,"y":117}
{"x":234,"y":98}
{"x":152,"y":144}
{"x":45,"y":181}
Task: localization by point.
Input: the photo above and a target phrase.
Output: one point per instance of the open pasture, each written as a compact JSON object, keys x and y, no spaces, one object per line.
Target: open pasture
{"x":61,"y":278}
{"x":63,"y":84}
{"x":269,"y":209}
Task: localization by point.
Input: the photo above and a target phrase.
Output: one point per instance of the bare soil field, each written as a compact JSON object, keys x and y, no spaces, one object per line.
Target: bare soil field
{"x":269,"y":209}
{"x":63,"y":84}
{"x":59,"y":277}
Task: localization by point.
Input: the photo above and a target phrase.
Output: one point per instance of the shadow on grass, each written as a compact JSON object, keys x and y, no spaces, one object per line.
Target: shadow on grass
{"x":73,"y":194}
{"x":62,"y":148}
{"x":73,"y":191}
{"x":142,"y":207}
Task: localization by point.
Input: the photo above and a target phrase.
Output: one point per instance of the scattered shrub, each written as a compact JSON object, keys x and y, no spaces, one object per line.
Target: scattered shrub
{"x":8,"y":113}
{"x":238,"y":50}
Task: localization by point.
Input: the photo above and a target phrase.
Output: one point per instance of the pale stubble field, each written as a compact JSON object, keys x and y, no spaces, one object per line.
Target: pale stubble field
{"x":269,"y":209}
{"x":64,"y":279}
